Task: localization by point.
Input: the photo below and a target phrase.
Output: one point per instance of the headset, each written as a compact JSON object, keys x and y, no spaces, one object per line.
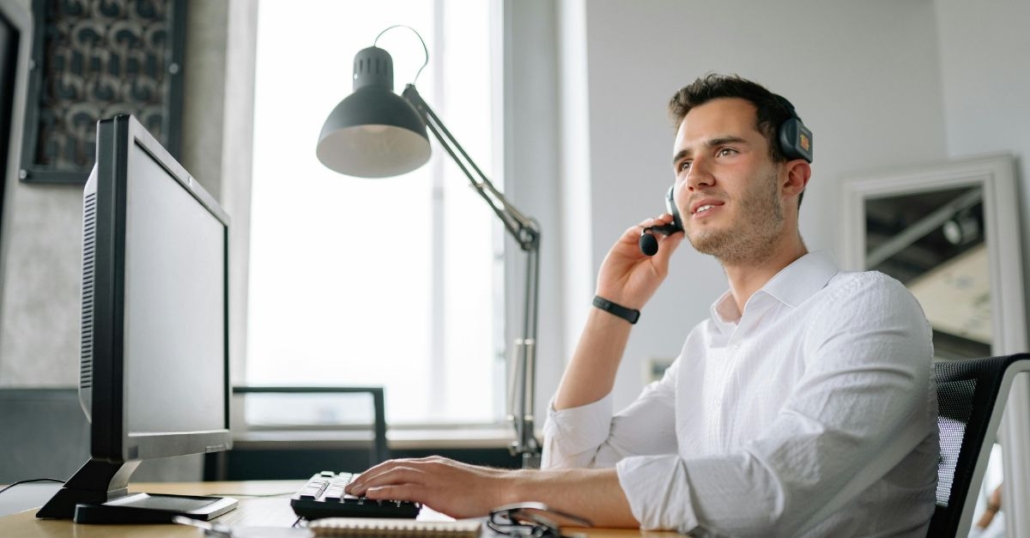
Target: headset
{"x":795,"y":141}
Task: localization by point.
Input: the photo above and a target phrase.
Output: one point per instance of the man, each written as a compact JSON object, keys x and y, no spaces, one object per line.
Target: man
{"x":804,"y":407}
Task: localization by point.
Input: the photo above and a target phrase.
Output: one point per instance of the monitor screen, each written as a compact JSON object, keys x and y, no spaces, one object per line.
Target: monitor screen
{"x":174,"y":323}
{"x":154,"y":367}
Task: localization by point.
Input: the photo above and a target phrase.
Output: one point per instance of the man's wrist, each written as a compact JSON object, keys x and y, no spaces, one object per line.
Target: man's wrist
{"x":515,"y":487}
{"x":629,"y":314}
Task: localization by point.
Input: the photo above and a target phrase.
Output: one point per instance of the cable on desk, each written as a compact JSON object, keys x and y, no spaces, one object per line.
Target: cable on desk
{"x":252,"y":495}
{"x":32,"y":480}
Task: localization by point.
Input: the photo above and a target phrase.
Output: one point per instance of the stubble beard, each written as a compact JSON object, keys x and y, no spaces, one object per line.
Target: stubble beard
{"x":752,"y":238}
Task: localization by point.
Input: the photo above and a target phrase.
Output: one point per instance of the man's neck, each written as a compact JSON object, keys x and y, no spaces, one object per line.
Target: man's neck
{"x":747,"y":277}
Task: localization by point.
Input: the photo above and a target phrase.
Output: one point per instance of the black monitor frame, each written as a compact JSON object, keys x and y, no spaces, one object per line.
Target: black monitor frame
{"x":15,"y":53}
{"x":115,"y":451}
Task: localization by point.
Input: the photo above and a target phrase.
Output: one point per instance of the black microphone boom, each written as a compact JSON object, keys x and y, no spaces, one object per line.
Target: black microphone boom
{"x":649,"y":243}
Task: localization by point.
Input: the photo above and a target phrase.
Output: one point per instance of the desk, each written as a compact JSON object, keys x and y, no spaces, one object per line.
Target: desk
{"x":252,"y":511}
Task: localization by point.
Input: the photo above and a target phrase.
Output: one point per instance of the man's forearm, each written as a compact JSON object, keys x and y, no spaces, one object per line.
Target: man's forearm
{"x":591,"y":493}
{"x":591,"y":372}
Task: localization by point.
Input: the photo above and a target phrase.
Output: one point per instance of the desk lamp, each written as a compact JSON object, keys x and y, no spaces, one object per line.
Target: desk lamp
{"x":373,"y":133}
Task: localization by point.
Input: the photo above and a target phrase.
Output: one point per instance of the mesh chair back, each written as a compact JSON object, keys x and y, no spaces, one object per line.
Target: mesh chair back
{"x":967,"y":391}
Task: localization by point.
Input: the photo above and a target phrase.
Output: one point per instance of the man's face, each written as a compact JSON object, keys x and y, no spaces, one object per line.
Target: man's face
{"x":727,"y":187}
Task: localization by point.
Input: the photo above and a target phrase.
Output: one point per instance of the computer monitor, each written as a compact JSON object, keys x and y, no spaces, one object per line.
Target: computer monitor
{"x":154,"y":378}
{"x":15,"y":39}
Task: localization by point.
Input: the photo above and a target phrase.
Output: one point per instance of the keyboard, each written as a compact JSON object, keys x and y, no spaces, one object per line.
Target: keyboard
{"x":323,"y":497}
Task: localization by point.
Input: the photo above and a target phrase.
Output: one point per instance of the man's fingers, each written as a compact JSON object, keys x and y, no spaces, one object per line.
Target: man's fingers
{"x":398,"y":492}
{"x":399,"y":473}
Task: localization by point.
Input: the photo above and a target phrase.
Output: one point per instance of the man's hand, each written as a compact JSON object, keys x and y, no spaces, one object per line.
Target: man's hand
{"x":461,"y":491}
{"x":628,"y":276}
{"x":452,"y":488}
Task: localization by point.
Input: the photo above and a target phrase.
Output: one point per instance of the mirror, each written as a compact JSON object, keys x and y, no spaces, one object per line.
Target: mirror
{"x":950,"y":232}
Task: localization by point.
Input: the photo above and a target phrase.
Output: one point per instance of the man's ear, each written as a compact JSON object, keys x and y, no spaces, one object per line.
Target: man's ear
{"x":798,"y":174}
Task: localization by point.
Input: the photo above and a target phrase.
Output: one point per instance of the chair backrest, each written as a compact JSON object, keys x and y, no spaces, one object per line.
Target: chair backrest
{"x":971,"y":395}
{"x":379,"y":449}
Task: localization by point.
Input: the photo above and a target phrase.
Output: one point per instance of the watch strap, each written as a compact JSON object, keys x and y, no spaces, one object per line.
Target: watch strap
{"x":616,"y":309}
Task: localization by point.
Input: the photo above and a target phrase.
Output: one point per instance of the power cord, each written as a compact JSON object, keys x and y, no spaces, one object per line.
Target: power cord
{"x":32,"y":480}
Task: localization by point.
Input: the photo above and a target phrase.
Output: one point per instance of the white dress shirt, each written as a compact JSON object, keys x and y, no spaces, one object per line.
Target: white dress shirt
{"x":813,"y":413}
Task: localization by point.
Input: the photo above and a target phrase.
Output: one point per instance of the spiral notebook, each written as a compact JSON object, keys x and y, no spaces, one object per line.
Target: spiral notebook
{"x":395,"y":528}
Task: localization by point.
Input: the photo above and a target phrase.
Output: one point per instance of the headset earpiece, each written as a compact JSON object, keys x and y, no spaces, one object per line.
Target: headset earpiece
{"x":794,"y":138}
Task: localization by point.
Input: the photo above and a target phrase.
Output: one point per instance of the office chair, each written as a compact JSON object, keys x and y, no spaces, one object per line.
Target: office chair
{"x":379,"y":450}
{"x":971,"y":396}
{"x":306,"y":444}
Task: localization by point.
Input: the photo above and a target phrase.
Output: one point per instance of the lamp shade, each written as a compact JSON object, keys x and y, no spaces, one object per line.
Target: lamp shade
{"x":373,"y":132}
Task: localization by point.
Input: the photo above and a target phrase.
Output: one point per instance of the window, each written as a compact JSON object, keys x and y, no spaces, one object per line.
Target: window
{"x":387,"y":282}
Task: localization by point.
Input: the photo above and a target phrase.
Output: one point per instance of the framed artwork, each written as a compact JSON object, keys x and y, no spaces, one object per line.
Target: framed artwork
{"x":93,"y":60}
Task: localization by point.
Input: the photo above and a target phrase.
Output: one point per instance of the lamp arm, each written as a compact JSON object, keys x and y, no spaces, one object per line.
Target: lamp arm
{"x":526,"y":232}
{"x":521,"y":227}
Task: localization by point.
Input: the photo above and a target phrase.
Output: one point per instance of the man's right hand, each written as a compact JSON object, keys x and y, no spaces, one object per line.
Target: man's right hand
{"x":629,"y":277}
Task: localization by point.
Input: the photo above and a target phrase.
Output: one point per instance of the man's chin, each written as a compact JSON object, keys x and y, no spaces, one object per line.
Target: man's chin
{"x":708,"y":242}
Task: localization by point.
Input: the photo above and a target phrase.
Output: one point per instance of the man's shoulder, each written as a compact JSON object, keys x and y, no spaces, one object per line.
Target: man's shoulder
{"x":872,"y":296}
{"x":864,"y":283}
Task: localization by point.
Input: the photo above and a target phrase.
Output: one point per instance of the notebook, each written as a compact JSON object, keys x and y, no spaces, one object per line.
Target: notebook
{"x":395,"y":528}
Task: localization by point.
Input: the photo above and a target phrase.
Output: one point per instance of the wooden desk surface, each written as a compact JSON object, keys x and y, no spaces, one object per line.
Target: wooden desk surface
{"x":273,"y":510}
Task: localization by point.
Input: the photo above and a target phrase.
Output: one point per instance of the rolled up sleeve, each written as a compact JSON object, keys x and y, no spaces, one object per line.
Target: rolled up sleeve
{"x":658,"y":492}
{"x":572,"y":436}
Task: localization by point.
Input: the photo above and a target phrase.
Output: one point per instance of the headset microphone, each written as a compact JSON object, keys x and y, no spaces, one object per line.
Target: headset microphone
{"x":648,"y":242}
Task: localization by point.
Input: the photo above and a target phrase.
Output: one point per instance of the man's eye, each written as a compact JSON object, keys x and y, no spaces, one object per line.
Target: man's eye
{"x":727,"y":151}
{"x":685,"y":165}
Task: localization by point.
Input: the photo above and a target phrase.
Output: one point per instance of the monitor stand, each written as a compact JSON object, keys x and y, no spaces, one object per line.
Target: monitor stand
{"x":99,"y":493}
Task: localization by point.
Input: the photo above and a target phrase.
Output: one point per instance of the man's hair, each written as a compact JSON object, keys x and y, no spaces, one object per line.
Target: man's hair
{"x":771,"y":110}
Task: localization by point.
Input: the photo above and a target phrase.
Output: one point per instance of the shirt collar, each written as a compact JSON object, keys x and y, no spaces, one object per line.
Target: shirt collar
{"x":791,"y":286}
{"x":800,"y":280}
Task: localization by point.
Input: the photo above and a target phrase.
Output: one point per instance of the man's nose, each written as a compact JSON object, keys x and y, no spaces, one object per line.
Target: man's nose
{"x":699,"y":174}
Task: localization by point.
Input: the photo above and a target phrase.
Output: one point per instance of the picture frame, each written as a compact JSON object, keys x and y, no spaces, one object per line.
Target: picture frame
{"x":96,"y":60}
{"x":994,"y":176}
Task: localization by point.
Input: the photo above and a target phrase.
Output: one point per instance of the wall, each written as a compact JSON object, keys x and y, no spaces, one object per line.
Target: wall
{"x":872,"y":98}
{"x":40,"y":247}
{"x":985,"y":74}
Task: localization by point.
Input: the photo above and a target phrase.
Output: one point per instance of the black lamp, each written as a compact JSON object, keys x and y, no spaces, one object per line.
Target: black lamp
{"x":373,"y":133}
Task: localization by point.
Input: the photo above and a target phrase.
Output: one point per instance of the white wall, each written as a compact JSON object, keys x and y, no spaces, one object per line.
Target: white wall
{"x":985,"y":74}
{"x":864,"y":76}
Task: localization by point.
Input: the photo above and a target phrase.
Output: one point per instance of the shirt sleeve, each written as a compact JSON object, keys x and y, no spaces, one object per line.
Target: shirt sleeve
{"x":862,"y":405}
{"x":590,"y":436}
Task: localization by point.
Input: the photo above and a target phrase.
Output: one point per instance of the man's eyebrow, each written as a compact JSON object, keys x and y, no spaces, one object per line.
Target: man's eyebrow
{"x":715,"y":142}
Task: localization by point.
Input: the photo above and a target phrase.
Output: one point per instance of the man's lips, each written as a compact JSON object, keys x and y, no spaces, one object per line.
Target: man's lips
{"x":704,"y":207}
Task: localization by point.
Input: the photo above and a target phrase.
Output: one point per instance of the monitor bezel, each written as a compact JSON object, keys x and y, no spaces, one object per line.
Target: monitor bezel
{"x":111,"y":439}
